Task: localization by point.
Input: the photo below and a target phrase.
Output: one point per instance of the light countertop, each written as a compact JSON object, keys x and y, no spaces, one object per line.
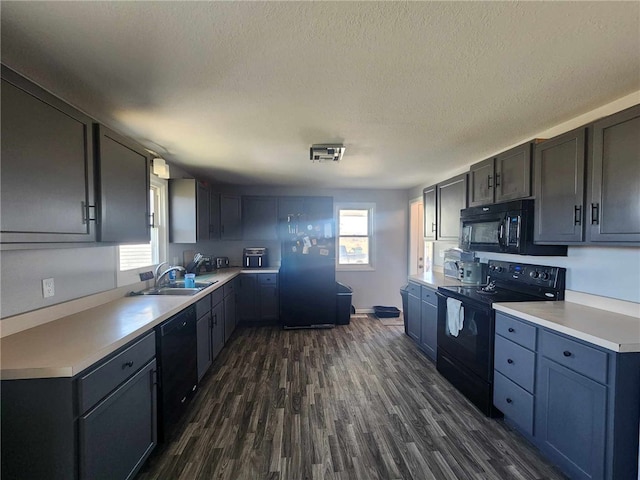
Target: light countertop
{"x":434,"y":279}
{"x":613,"y":331}
{"x":65,"y":347}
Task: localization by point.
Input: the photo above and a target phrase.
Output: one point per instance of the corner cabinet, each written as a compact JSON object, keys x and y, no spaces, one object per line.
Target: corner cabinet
{"x":505,"y":177}
{"x":100,"y":424}
{"x":451,"y":198}
{"x":122,"y":187}
{"x":559,"y":169}
{"x":615,"y":178}
{"x":577,"y":402}
{"x":47,"y":189}
{"x":189,"y":211}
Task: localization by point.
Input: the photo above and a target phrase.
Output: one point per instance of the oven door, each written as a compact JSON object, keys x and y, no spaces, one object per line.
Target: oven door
{"x":472,"y":346}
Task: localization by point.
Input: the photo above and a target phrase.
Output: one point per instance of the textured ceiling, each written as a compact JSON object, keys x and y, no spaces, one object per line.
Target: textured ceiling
{"x":238,"y":91}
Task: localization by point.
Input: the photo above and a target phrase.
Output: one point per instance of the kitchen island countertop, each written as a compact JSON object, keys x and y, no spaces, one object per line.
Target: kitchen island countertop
{"x":67,"y":346}
{"x":613,"y":331}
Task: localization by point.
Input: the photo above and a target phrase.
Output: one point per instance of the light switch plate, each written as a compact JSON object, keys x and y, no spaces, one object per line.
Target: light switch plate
{"x":48,"y":288}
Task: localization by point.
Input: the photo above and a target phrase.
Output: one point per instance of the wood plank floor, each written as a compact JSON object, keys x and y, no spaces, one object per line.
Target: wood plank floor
{"x":359,"y":401}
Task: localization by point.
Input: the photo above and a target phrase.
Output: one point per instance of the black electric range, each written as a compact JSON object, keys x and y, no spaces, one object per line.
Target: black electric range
{"x":465,"y":356}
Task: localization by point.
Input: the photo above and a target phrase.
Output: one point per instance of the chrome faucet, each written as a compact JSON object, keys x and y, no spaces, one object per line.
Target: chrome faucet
{"x":158,"y":278}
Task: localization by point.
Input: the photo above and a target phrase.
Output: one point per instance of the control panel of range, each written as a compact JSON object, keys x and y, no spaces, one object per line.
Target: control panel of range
{"x":526,"y":274}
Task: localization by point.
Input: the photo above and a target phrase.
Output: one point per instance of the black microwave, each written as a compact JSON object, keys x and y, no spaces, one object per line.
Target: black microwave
{"x":504,"y":228}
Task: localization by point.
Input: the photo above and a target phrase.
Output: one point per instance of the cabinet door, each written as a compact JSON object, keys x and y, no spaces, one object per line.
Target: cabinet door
{"x":452,"y":197}
{"x":615,"y":182}
{"x":214,"y":215}
{"x":413,"y":319}
{"x":217,"y":332}
{"x":230,"y":217}
{"x":570,"y":419}
{"x":481,"y":183}
{"x":289,"y":211}
{"x":429,"y":329}
{"x":513,"y":174}
{"x":203,"y":331}
{"x":203,"y":211}
{"x":47,"y":176}
{"x":429,"y":204}
{"x":259,"y":218}
{"x":247,"y":304}
{"x":120,"y":432}
{"x":559,"y":179}
{"x":229,"y":316}
{"x":123,"y":188}
{"x":268,"y":301}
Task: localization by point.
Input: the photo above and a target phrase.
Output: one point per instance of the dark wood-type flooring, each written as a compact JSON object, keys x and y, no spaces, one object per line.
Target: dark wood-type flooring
{"x":359,"y":401}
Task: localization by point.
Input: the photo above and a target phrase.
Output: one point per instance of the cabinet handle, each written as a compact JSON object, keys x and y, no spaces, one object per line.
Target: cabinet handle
{"x":127,"y":364}
{"x":86,"y":218}
{"x":509,"y":400}
{"x":489,"y":177}
{"x":497,"y":179}
{"x":577,"y":215}
{"x":511,"y":330}
{"x":184,"y":399}
{"x":433,"y":227}
{"x":509,"y":361}
{"x":566,"y":353}
{"x":595,"y":213}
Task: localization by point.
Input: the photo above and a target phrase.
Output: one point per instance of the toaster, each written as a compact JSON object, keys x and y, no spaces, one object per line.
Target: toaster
{"x":255,"y":258}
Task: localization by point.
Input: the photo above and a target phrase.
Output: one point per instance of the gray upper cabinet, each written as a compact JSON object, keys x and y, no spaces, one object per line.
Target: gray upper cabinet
{"x":559,"y":178}
{"x":505,"y":177}
{"x":615,"y":178}
{"x":259,"y":218}
{"x":451,"y":198}
{"x":189,"y":213}
{"x":214,"y":215}
{"x":47,"y":188}
{"x":230,"y":217}
{"x":122,"y":187}
{"x":429,"y":204}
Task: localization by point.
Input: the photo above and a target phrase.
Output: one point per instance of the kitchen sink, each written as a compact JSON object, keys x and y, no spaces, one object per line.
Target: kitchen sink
{"x":177,"y":288}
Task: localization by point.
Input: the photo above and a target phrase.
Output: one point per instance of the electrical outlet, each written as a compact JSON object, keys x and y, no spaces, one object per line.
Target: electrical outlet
{"x":48,"y":288}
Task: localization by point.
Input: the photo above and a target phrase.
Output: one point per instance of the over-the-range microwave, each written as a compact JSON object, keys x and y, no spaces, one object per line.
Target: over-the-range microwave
{"x":503,"y":227}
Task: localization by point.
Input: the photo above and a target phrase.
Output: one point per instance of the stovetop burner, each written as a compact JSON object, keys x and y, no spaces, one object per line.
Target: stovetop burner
{"x":489,"y":289}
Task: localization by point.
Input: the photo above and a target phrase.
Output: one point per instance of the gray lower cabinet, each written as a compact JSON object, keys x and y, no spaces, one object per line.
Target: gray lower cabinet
{"x":429,"y":322}
{"x":230,"y":306}
{"x":210,"y":329}
{"x":258,"y":300}
{"x":577,"y":402}
{"x":101,"y":424}
{"x":205,"y":349}
{"x":217,"y":329}
{"x":414,"y":313}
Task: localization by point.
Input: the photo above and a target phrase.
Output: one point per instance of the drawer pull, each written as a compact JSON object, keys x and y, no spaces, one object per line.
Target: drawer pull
{"x":511,"y":330}
{"x":509,"y":361}
{"x":184,"y":399}
{"x":127,"y":364}
{"x":509,"y":400}
{"x":566,"y":353}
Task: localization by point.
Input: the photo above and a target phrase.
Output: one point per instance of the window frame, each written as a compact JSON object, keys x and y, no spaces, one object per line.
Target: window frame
{"x":161,"y":220}
{"x":356,"y":267}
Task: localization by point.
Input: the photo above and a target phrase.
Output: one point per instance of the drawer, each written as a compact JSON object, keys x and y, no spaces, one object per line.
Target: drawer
{"x":517,"y":331}
{"x":515,"y":362}
{"x":203,"y":306}
{"x":268,"y":278}
{"x":414,"y":289}
{"x":216,"y":296}
{"x":580,"y":358}
{"x":100,"y":381}
{"x":228,"y":288}
{"x":429,"y":296}
{"x":514,"y":402}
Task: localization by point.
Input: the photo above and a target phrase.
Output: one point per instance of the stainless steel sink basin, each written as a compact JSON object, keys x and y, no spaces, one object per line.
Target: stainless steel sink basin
{"x":177,"y":288}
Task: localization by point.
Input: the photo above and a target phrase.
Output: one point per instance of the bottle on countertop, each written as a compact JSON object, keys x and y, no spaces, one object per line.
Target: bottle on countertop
{"x":172,"y":275}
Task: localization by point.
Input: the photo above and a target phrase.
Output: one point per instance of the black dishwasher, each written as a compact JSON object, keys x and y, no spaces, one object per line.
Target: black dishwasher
{"x":178,"y":369}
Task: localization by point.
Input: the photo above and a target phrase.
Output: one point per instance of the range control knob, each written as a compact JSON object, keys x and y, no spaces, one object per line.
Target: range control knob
{"x":534,"y":274}
{"x":544,"y":276}
{"x":498,"y":269}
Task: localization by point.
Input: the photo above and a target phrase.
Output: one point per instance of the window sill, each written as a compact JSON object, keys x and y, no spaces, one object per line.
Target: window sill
{"x":355,"y":268}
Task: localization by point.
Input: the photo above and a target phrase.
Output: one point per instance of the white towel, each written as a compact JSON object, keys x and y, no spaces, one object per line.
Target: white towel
{"x":455,"y":316}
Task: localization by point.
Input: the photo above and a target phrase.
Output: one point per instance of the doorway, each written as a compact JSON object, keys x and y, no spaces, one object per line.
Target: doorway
{"x":416,"y":237}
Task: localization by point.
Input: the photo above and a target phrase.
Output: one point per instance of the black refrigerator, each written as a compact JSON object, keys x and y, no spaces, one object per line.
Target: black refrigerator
{"x":307,"y":275}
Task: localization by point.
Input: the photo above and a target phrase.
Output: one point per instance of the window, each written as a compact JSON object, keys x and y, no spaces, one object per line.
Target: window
{"x":355,"y":238}
{"x":135,"y":258}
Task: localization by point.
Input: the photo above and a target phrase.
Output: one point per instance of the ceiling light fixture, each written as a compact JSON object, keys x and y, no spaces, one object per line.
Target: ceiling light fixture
{"x":331,"y":152}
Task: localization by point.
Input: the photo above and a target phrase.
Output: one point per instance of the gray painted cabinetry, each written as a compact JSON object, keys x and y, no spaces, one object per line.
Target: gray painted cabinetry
{"x":230,"y":217}
{"x":422,"y":318}
{"x":260,"y":218}
{"x":258,"y":298}
{"x":451,"y":198}
{"x":210,"y":328}
{"x":189,"y":211}
{"x":430,"y":204}
{"x":100,"y":424}
{"x":577,"y":402}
